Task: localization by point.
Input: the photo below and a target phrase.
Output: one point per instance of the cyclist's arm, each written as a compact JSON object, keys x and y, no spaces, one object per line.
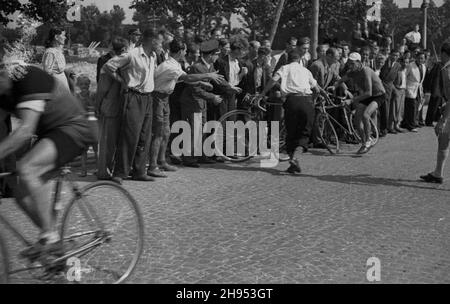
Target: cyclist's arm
{"x":26,"y":130}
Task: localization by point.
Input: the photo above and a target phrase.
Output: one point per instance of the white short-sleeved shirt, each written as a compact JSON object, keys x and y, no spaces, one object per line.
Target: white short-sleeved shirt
{"x":234,"y":73}
{"x":167,"y":74}
{"x":295,"y":79}
{"x":414,"y":37}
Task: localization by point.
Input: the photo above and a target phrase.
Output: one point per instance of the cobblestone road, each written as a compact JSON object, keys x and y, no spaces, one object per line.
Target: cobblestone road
{"x":243,"y":224}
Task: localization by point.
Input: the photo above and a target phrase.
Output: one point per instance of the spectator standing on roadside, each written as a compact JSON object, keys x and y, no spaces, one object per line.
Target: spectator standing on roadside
{"x":54,"y":61}
{"x":135,"y":70}
{"x":109,"y":106}
{"x":443,"y":126}
{"x":414,"y":38}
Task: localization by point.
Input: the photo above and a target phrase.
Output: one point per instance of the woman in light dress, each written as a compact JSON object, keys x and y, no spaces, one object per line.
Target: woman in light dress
{"x":53,"y":61}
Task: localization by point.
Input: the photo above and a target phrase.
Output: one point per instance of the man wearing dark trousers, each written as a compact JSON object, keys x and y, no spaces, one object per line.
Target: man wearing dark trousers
{"x":166,"y":76}
{"x":109,"y":106}
{"x":136,"y":69}
{"x":388,"y":74}
{"x":195,"y":99}
{"x":297,"y":85}
{"x":415,"y":75}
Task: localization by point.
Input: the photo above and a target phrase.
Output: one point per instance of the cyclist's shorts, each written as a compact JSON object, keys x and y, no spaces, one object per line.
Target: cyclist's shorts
{"x":378,"y":99}
{"x":66,"y":147}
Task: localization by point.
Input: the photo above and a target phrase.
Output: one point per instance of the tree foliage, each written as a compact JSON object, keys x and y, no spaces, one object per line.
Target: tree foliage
{"x":8,"y":7}
{"x":48,"y":11}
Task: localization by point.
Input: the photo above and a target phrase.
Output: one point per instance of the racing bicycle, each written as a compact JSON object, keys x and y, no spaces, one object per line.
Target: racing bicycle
{"x":102,"y":224}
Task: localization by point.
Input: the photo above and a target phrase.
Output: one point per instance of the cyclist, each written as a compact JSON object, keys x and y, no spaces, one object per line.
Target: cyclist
{"x":371,"y":96}
{"x":60,"y":124}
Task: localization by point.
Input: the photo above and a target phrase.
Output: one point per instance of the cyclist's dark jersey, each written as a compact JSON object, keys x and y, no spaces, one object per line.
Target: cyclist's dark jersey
{"x":366,"y":80}
{"x":62,"y":111}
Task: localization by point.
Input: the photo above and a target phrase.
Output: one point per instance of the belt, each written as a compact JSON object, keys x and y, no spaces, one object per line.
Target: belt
{"x":298,"y":95}
{"x":161,"y":94}
{"x":137,"y":92}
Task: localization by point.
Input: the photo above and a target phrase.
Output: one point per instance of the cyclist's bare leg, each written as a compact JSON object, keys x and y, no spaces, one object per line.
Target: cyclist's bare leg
{"x":442,"y":155}
{"x":370,"y":109}
{"x":34,"y":195}
{"x":360,"y":109}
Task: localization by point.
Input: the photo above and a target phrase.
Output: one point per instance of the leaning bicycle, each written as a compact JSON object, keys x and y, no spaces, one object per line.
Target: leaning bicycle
{"x":334,"y":131}
{"x":253,"y":111}
{"x":103,"y":226}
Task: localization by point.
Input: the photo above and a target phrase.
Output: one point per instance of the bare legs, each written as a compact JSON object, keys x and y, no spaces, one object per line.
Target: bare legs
{"x":33,"y":194}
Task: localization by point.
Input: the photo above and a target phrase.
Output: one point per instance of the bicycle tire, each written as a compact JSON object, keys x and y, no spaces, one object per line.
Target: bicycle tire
{"x":283,"y":142}
{"x":375,"y":133}
{"x":69,"y":214}
{"x":328,"y":134}
{"x":4,"y":262}
{"x":237,"y":158}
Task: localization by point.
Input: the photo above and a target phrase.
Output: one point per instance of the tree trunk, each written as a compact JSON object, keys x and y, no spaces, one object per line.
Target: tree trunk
{"x":315,"y":28}
{"x":277,"y":20}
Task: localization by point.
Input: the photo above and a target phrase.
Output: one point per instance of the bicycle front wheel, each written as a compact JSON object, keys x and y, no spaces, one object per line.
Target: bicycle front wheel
{"x":105,"y":224}
{"x":328,"y":134}
{"x":4,"y":262}
{"x":243,"y":150}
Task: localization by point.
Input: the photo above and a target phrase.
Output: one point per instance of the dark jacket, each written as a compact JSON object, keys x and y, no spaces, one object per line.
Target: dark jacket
{"x":389,"y":72}
{"x":251,"y":77}
{"x":101,"y":62}
{"x":195,"y":97}
{"x":325,"y":77}
{"x":222,"y":66}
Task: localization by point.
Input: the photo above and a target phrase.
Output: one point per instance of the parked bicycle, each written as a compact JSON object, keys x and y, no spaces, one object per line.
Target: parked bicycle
{"x":333,"y":131}
{"x":253,"y":110}
{"x":102,"y":223}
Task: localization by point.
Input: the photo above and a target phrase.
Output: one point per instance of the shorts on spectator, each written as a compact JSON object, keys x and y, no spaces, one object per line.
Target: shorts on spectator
{"x":161,"y":114}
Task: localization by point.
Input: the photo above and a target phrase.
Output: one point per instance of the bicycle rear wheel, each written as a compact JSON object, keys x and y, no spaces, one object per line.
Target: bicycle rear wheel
{"x":328,"y":134}
{"x":106,"y":221}
{"x":243,"y":150}
{"x":4,"y":262}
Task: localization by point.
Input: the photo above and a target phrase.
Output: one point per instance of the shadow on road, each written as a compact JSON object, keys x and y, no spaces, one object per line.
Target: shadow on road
{"x":365,"y":180}
{"x":368,"y":180}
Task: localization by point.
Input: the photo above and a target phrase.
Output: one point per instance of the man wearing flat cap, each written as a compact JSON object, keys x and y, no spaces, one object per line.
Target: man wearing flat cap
{"x":196,"y":98}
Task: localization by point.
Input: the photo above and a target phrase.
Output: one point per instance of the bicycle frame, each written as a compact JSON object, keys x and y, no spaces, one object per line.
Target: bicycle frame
{"x":86,"y":210}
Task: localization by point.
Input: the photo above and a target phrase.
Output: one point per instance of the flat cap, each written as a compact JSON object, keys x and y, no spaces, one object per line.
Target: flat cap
{"x":304,"y":40}
{"x":210,"y":46}
{"x":135,"y":31}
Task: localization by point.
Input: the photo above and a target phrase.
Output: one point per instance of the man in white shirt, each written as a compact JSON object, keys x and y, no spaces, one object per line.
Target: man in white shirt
{"x":414,"y":37}
{"x":297,"y":86}
{"x":135,"y":70}
{"x":167,"y":75}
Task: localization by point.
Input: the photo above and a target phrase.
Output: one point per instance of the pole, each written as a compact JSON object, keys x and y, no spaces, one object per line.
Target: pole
{"x":315,"y":28}
{"x":425,"y":23}
{"x":273,"y":32}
